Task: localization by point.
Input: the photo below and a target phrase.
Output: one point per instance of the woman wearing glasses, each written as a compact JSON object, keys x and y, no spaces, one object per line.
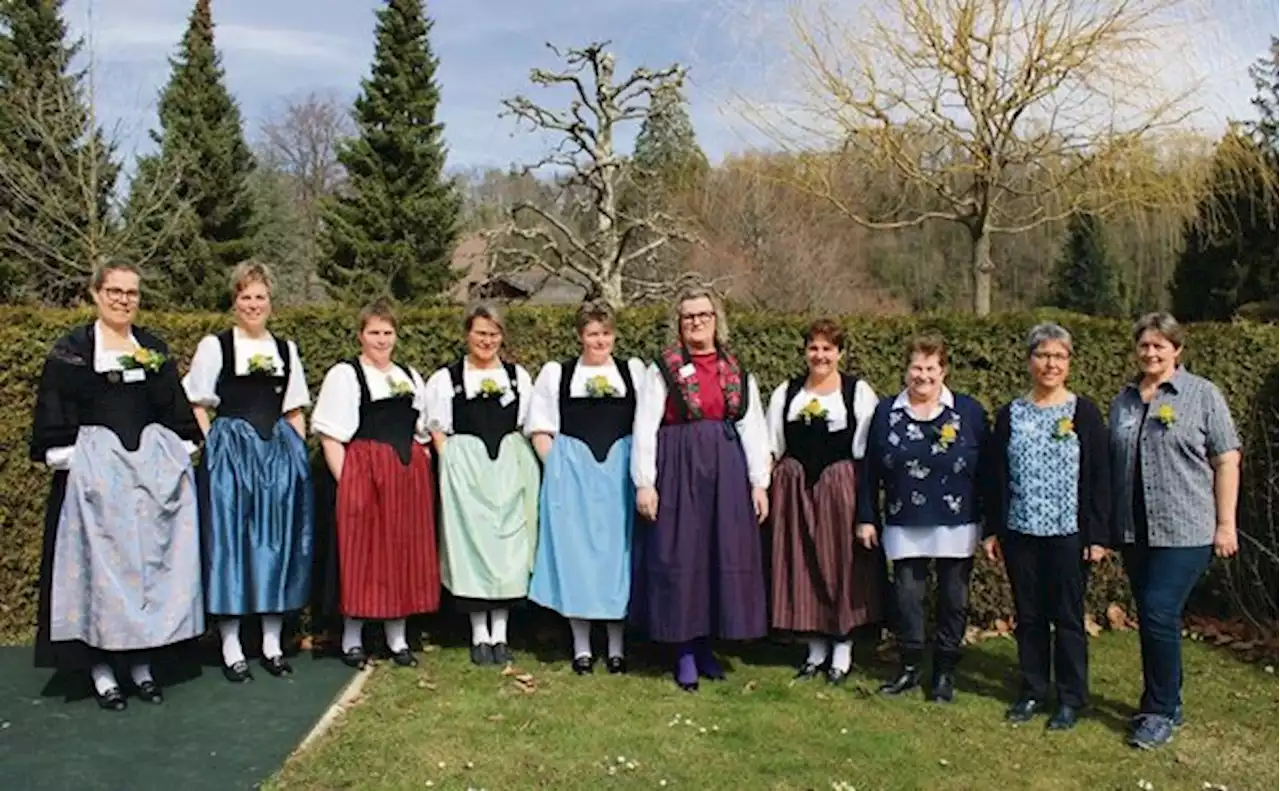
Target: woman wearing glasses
{"x":700,"y":463}
{"x":488,"y":482}
{"x":120,"y":568}
{"x":257,"y":508}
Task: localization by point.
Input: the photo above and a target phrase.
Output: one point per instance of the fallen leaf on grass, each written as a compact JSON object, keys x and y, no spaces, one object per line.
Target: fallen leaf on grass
{"x":750,"y":687}
{"x":1002,"y":626}
{"x":1091,"y":625}
{"x":1117,"y":618}
{"x":495,"y":718}
{"x":427,"y":685}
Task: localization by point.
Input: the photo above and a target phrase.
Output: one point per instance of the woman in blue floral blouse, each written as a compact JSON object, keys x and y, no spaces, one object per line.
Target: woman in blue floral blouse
{"x":1048,"y":509}
{"x":922,"y":454}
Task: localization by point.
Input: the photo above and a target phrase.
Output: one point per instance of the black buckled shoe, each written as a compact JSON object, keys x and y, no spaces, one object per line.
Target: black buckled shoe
{"x":582,"y":665}
{"x":1064,"y":719}
{"x":277,"y":666}
{"x":617,"y":665}
{"x":238,"y":672}
{"x":502,"y":654}
{"x":1023,"y":710}
{"x":907,"y":679}
{"x":111,"y":700}
{"x":149,"y":691}
{"x":808,"y":670}
{"x":482,"y":654}
{"x":404,"y":658}
{"x":355,"y":657}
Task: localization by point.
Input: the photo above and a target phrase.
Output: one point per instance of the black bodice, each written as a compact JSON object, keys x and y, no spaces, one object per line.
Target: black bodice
{"x":392,"y":421}
{"x":486,"y":417}
{"x":598,"y":422}
{"x":257,"y":398}
{"x":814,"y":445}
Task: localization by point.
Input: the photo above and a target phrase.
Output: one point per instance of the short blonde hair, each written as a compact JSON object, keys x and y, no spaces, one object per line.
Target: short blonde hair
{"x":247,"y":273}
{"x":689,"y":293}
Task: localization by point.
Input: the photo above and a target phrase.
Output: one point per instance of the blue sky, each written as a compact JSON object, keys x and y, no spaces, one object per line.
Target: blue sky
{"x":276,"y":49}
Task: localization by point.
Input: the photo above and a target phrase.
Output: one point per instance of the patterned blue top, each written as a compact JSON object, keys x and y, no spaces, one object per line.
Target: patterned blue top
{"x":1044,"y":470}
{"x":926,"y":467}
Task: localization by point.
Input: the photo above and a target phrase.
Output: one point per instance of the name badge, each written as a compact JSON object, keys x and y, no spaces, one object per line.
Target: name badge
{"x":132,"y":375}
{"x":687,"y":371}
{"x":506,"y":399}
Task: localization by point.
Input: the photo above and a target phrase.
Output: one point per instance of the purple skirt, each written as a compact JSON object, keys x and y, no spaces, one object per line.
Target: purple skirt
{"x":697,"y":571}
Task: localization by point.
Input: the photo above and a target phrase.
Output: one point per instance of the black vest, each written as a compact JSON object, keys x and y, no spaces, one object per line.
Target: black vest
{"x":257,"y":398}
{"x":125,"y":407}
{"x":485,"y":417}
{"x":392,"y":421}
{"x":599,"y":422}
{"x":812,"y":444}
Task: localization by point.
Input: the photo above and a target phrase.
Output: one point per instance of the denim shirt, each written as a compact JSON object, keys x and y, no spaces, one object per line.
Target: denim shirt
{"x":1188,"y":423}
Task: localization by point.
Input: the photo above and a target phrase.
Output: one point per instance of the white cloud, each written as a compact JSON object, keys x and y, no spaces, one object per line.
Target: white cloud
{"x":140,"y":40}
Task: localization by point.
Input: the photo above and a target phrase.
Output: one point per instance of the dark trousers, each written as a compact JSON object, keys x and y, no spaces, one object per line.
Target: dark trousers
{"x":910,"y":582}
{"x":1161,"y":579}
{"x":1048,"y":576}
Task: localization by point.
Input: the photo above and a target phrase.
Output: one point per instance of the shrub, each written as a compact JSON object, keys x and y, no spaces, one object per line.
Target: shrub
{"x":986,"y":354}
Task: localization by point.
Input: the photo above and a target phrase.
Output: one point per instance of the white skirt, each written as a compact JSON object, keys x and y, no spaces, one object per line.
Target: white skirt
{"x":947,"y":541}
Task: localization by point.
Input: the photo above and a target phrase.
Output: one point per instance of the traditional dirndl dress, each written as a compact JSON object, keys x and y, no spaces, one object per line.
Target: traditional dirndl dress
{"x":823,"y":582}
{"x":258,"y":511}
{"x":382,"y":552}
{"x":120,"y":566}
{"x":586,"y":509}
{"x":697,"y":570}
{"x":488,"y":494}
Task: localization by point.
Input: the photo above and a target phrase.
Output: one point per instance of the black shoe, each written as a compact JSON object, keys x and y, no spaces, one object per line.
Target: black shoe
{"x":808,"y":670}
{"x":907,"y":680}
{"x":482,"y":654}
{"x":836,"y":677}
{"x":943,"y":688}
{"x":582,"y":665}
{"x":355,"y":657}
{"x":238,"y":673}
{"x":111,"y":700}
{"x":1023,"y":710}
{"x":692,"y":686}
{"x":617,"y":665}
{"x":404,"y":658}
{"x":502,"y":654}
{"x":149,"y":691}
{"x":277,"y":666}
{"x":1064,"y":719}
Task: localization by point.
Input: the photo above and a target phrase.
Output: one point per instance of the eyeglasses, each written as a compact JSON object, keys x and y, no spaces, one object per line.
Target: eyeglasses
{"x":697,"y":318}
{"x":1056,"y":357}
{"x":122,"y":295}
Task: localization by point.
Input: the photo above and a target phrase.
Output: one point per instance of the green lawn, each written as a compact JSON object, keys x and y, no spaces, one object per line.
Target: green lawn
{"x":448,"y":725}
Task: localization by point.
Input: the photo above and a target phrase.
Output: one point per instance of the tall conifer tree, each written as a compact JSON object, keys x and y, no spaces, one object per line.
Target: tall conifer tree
{"x":1085,"y":280}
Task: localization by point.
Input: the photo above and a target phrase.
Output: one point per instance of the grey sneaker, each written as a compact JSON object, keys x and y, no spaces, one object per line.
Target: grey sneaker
{"x":1151,"y":731}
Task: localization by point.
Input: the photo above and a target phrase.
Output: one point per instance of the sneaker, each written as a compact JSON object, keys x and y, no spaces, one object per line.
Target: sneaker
{"x":1151,"y":731}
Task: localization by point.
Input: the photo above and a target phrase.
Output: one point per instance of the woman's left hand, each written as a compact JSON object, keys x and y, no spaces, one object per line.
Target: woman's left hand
{"x":1226,"y":542}
{"x":1094,"y":553}
{"x":760,"y":499}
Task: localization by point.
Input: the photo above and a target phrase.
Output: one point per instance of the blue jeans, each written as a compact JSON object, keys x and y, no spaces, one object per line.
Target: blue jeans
{"x":1161,"y":579}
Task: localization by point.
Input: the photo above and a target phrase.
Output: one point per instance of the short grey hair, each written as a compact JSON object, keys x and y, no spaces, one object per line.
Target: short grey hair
{"x":1163,"y":323}
{"x":1047,"y":331}
{"x":483,"y":310}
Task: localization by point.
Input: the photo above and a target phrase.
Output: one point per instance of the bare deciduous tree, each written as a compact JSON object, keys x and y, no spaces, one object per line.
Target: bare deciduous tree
{"x":299,"y":141}
{"x":606,"y":258}
{"x":998,"y":115}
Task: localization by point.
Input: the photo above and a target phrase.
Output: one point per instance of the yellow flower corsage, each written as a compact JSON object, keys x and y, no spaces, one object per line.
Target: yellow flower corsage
{"x":1064,"y":428}
{"x":262,"y":364}
{"x":947,"y":435}
{"x":599,"y":387}
{"x":813,"y":411}
{"x":399,"y":387}
{"x":1166,"y":415}
{"x":490,"y":388}
{"x":143,"y":357}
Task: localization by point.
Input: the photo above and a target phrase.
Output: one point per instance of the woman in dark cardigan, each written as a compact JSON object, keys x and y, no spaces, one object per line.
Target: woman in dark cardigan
{"x":1048,"y":514}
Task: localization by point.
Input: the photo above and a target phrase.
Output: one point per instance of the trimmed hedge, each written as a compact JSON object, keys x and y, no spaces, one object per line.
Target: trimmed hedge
{"x":987,"y":362}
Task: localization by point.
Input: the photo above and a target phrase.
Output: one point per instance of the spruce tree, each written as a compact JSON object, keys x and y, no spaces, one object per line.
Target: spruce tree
{"x":667,"y":159}
{"x":202,"y":146}
{"x":393,"y":229}
{"x":56,"y":171}
{"x":1085,"y":279}
{"x":1232,"y":235}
